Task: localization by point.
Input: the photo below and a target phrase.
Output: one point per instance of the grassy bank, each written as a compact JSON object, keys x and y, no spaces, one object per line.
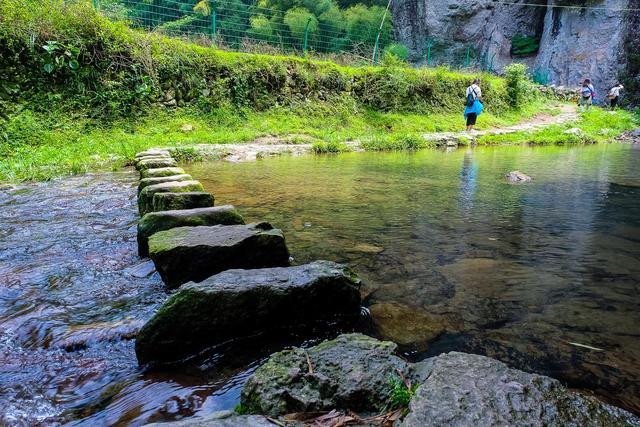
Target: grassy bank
{"x":51,"y":144}
{"x":82,"y":93}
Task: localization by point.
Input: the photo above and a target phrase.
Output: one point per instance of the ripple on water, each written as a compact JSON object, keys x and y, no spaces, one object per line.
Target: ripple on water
{"x":73,"y":293}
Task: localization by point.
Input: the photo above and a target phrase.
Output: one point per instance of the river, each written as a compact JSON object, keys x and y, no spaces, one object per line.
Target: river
{"x":544,"y":275}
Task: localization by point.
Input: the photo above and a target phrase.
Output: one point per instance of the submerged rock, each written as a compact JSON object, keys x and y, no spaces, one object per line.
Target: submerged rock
{"x":155,"y":162}
{"x":467,"y":389}
{"x":160,"y":172}
{"x":220,"y":419}
{"x":242,"y":303}
{"x":180,"y":201}
{"x":154,"y":222}
{"x":187,"y":254}
{"x":82,"y":336}
{"x":145,"y":182}
{"x":145,"y":198}
{"x":351,"y":372}
{"x":517,"y":176}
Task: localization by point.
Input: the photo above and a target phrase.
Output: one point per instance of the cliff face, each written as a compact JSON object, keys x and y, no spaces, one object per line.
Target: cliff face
{"x":574,"y":43}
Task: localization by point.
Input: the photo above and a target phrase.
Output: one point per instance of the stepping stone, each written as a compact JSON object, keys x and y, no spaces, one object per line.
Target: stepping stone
{"x":186,"y":254}
{"x":155,"y":162}
{"x":145,"y":182}
{"x":145,"y":198}
{"x":153,"y":152}
{"x":180,"y":201}
{"x":154,"y":222}
{"x":241,"y":303}
{"x":159,"y":172}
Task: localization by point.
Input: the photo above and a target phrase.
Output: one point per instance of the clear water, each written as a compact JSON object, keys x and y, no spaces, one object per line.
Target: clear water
{"x":452,"y":258}
{"x":455,"y":258}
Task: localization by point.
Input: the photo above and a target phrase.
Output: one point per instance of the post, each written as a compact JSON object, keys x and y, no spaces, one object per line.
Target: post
{"x":306,"y":36}
{"x":214,"y":23}
{"x":429,"y":53}
{"x":468,"y":57}
{"x":377,"y":45}
{"x":375,"y":50}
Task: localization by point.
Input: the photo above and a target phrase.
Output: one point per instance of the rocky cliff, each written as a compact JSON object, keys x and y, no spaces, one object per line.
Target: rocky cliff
{"x":562,"y":45}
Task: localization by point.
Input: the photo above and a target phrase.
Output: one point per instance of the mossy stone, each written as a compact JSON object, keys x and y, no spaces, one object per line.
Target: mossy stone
{"x":186,"y":254}
{"x":160,"y":172}
{"x":181,"y":201}
{"x":155,"y":222}
{"x":145,"y":182}
{"x":278,"y":301}
{"x":145,"y":198}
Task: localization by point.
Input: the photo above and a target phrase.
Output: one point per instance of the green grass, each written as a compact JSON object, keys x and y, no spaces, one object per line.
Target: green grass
{"x":40,"y":146}
{"x":595,"y":126}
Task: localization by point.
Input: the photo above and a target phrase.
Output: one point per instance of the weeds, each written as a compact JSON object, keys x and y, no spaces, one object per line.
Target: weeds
{"x":402,"y":391}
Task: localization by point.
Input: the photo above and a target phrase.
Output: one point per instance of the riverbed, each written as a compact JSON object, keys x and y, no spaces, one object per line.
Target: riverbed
{"x":543,"y":275}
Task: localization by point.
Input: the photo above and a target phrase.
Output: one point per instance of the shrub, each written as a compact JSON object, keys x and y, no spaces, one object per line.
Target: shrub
{"x":518,"y":85}
{"x":398,"y":50}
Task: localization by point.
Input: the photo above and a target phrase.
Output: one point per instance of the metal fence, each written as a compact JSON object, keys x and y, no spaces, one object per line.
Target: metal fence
{"x":234,"y":25}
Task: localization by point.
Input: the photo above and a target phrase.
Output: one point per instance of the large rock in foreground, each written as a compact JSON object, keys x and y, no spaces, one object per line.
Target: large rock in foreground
{"x":242,"y":303}
{"x":187,"y":254}
{"x":467,"y":389}
{"x":154,"y":222}
{"x":350,"y":372}
{"x":181,"y":201}
{"x":220,"y":419}
{"x":145,"y":198}
{"x":160,"y":172}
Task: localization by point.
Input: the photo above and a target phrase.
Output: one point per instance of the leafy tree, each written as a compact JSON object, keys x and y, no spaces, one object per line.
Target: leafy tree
{"x":297,"y":20}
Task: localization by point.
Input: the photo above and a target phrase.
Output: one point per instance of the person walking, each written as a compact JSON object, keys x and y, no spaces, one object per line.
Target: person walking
{"x":614,"y":94}
{"x":587,"y":93}
{"x":473,"y":104}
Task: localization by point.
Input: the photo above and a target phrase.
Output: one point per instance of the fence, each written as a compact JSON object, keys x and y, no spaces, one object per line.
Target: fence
{"x":359,"y":34}
{"x":234,"y":25}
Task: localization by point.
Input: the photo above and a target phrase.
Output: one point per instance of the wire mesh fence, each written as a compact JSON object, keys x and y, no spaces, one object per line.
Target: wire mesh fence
{"x":354,"y":35}
{"x":235,"y":25}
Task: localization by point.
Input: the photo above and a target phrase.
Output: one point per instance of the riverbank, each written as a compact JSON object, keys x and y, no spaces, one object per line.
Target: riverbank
{"x":48,"y":145}
{"x":83,"y":93}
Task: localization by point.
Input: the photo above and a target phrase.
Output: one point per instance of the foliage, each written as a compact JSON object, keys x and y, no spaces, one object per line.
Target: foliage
{"x":398,"y":50}
{"x":323,"y":147}
{"x":402,"y":391}
{"x":524,"y":45}
{"x":518,"y":85}
{"x":594,"y":126}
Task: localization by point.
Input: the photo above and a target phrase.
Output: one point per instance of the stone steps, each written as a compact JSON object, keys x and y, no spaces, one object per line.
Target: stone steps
{"x":233,"y":279}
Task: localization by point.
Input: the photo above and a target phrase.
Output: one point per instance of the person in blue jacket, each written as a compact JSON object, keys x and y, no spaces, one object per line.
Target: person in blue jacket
{"x":473,"y":105}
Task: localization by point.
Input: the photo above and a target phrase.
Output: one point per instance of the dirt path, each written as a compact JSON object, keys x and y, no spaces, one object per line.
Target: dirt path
{"x":274,"y":146}
{"x":567,"y":113}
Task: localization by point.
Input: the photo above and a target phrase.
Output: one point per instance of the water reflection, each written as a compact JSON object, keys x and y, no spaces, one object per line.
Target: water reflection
{"x":455,"y":258}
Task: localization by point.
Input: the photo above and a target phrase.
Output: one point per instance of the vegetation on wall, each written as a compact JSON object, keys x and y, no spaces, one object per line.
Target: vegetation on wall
{"x":524,"y":45}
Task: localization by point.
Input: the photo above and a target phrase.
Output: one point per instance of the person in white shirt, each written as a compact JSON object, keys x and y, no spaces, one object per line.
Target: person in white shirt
{"x":473,"y":104}
{"x":587,"y":93}
{"x":614,"y":95}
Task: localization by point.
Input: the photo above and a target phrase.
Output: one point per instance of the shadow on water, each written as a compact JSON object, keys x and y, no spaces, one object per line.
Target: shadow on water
{"x":544,"y":276}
